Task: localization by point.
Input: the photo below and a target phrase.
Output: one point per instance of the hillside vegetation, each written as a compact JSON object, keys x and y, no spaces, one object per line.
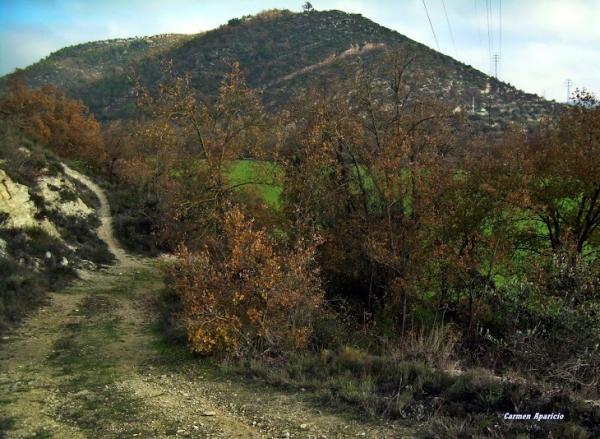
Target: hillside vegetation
{"x":47,"y":225}
{"x":76,"y":67}
{"x":282,"y":54}
{"x":365,"y":245}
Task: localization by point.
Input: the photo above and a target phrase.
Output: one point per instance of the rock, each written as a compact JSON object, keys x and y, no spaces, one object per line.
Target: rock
{"x":50,"y":189}
{"x":16,"y":202}
{"x":208,"y":413}
{"x":303,"y":426}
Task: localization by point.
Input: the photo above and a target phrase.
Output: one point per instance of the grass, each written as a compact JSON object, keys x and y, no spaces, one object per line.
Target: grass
{"x":264,"y":176}
{"x":117,"y":284}
{"x":350,"y":380}
{"x":383,"y":387}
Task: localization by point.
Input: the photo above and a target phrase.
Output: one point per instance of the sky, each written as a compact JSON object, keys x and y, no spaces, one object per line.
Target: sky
{"x":541,"y":43}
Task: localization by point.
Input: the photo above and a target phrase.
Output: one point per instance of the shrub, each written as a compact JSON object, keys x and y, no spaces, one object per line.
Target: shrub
{"x":433,"y":347}
{"x":21,"y":290}
{"x":247,"y":293}
{"x":134,"y":219}
{"x":549,"y":328}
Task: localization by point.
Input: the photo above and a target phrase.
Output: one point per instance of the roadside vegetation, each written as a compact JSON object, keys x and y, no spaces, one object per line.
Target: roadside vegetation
{"x":369,"y":248}
{"x":40,"y":253}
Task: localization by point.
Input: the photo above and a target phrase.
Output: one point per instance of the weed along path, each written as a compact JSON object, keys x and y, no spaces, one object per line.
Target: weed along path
{"x":91,"y":364}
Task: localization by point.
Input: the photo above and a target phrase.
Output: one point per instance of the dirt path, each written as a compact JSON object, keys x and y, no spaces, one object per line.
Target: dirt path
{"x":105,"y":229}
{"x":92,"y":365}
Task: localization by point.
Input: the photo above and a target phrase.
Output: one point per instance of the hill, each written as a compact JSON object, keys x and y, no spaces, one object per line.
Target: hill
{"x":282,"y":54}
{"x":75,"y":67}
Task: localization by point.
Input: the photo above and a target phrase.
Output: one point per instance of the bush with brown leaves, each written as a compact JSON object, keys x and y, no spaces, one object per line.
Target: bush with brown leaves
{"x":247,"y":294}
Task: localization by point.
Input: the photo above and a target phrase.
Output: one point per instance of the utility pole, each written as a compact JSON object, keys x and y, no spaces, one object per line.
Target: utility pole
{"x":489,"y":104}
{"x":568,"y":84}
{"x":496,"y":59}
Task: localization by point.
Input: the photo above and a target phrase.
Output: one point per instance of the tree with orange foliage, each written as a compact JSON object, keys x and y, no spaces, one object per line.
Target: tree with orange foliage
{"x":240,"y":289}
{"x":48,"y":115}
{"x":118,"y":149}
{"x":194,"y":142}
{"x":375,"y":176}
{"x":251,"y":295}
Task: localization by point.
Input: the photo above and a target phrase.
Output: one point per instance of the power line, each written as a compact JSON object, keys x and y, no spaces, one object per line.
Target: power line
{"x":431,"y":26}
{"x":450,"y":28}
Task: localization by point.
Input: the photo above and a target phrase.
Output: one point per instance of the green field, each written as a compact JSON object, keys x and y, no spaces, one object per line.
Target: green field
{"x":265,"y":177}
